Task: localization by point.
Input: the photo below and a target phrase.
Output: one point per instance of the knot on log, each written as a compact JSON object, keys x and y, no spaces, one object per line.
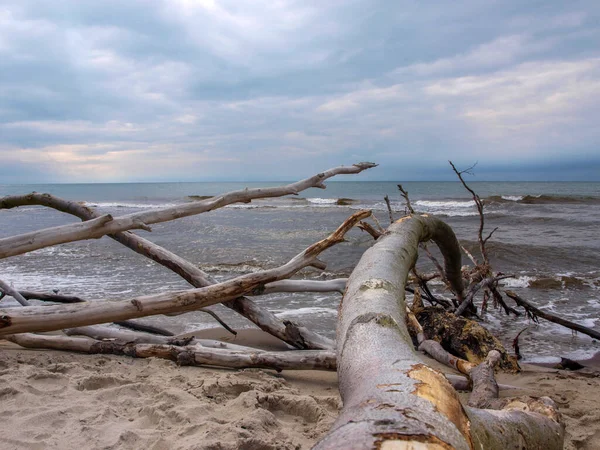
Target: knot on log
{"x":183,"y":357}
{"x":294,"y":335}
{"x":5,"y":321}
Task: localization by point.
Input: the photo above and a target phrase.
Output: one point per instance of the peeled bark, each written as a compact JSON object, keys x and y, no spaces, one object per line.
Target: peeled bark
{"x":391,"y":398}
{"x":49,"y":318}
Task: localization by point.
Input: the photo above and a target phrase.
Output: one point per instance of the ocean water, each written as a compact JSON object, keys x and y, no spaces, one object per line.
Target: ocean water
{"x":548,"y":237}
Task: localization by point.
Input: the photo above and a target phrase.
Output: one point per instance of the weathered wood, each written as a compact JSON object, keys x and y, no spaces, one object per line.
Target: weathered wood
{"x":288,"y":331}
{"x":96,"y":228}
{"x":391,"y":398}
{"x":187,"y":355}
{"x":49,"y":318}
{"x":485,"y":387}
{"x":536,"y":312}
{"x":336,"y":285}
{"x":7,"y":289}
{"x":100,"y":332}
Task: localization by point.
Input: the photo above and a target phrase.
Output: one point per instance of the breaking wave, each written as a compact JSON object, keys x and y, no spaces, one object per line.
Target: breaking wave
{"x":542,"y":199}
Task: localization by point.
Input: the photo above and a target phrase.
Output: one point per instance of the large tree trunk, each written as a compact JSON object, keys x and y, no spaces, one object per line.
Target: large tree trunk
{"x":391,"y":398}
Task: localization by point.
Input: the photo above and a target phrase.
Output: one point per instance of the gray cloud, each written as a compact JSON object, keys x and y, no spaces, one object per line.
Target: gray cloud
{"x":207,"y":89}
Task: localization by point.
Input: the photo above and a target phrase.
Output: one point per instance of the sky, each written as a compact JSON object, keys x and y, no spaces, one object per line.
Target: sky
{"x":210,"y":90}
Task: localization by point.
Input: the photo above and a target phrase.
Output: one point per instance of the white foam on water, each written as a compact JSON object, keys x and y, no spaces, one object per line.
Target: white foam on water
{"x":322,"y":201}
{"x":246,"y":206}
{"x":129,"y":205}
{"x":445,"y":204}
{"x":312,"y":310}
{"x":518,"y":282}
{"x":512,"y":198}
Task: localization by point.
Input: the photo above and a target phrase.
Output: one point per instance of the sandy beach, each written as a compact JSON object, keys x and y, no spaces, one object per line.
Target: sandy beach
{"x":52,"y":399}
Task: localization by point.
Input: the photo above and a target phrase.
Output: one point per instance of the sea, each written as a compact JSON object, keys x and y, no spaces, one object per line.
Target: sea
{"x":548,"y":237}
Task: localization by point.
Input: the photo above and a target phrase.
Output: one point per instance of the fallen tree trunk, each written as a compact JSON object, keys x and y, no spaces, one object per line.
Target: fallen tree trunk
{"x":393,"y":400}
{"x":186,"y":355}
{"x":49,"y":318}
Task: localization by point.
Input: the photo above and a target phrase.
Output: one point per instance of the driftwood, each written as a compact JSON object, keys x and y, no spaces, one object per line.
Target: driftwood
{"x":287,"y":331}
{"x":186,"y":355}
{"x":390,"y":396}
{"x":534,"y":313}
{"x":393,"y":400}
{"x":106,"y":224}
{"x":49,"y":318}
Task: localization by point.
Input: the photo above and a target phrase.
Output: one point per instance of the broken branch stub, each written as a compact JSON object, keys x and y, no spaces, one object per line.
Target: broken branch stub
{"x":391,"y":398}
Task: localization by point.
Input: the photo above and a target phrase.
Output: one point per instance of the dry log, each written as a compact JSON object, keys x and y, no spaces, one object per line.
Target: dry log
{"x":96,"y":228}
{"x":49,"y":318}
{"x":9,"y":290}
{"x":536,"y":312}
{"x":393,"y":400}
{"x":100,"y":333}
{"x":287,"y":331}
{"x":186,"y":355}
{"x":336,"y":285}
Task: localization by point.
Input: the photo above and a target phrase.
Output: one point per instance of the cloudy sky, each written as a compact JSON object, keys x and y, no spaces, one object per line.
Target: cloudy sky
{"x":196,"y":90}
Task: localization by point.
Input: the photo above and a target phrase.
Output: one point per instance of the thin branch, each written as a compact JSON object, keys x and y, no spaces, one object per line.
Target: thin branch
{"x":381,"y":229}
{"x":364,"y":226}
{"x":405,"y":195}
{"x":534,"y":312}
{"x":218,"y":319}
{"x":474,"y":288}
{"x":389,"y":208}
{"x":479,"y":205}
{"x":96,"y":228}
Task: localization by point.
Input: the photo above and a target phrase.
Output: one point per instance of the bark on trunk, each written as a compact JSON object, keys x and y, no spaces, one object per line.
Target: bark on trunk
{"x":393,"y":400}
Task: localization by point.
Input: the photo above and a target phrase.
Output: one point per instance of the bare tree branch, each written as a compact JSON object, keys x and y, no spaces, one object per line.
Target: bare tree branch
{"x":95,"y":228}
{"x":50,"y":318}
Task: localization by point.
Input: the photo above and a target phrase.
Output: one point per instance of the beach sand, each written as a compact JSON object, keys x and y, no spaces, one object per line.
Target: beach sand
{"x":62,"y":400}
